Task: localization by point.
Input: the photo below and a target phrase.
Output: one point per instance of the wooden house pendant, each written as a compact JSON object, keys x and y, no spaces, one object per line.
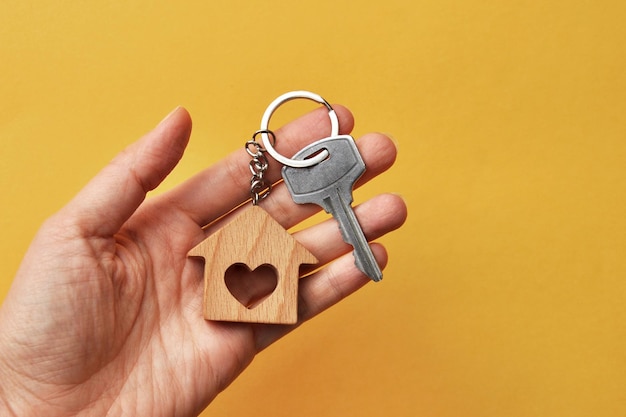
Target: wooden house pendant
{"x":253,"y":240}
{"x":256,"y":245}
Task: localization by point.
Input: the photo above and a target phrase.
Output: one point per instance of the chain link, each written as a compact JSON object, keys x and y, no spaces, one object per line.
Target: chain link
{"x":260,"y":188}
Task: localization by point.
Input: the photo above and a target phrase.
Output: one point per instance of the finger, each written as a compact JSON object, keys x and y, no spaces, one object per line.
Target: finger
{"x":111,"y":197}
{"x":334,"y":283}
{"x":378,"y":152}
{"x":340,"y":278}
{"x":232,"y":175}
{"x":320,"y":291}
{"x":378,"y":216}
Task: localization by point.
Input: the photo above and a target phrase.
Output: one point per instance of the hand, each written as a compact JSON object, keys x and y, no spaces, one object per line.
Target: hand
{"x":104,"y":316}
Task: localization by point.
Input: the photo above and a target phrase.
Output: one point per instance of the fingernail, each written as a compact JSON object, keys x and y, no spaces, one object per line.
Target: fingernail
{"x":169,"y":115}
{"x":393,"y":139}
{"x":399,"y":195}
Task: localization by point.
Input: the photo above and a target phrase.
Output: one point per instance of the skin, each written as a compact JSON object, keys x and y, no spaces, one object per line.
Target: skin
{"x":104,"y":316}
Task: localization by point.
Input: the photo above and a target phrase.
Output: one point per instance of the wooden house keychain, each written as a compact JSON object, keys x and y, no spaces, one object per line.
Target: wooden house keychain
{"x":323,"y":173}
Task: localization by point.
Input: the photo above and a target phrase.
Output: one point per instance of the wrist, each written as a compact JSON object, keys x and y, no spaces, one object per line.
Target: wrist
{"x":8,"y":395}
{"x":16,"y":397}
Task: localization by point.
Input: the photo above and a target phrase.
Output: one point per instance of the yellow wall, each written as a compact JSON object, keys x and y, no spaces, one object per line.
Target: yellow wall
{"x":505,"y":293}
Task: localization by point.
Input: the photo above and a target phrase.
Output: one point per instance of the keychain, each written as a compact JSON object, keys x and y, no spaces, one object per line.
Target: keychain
{"x":323,"y":173}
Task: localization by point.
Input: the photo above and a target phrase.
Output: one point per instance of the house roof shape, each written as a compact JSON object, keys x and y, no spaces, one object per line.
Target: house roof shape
{"x":252,"y":238}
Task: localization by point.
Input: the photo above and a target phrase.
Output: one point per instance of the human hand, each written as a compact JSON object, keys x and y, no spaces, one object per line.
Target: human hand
{"x":104,"y":316}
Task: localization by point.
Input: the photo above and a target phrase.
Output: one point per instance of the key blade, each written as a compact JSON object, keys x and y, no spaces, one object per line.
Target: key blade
{"x":353,"y":234}
{"x":329,"y":184}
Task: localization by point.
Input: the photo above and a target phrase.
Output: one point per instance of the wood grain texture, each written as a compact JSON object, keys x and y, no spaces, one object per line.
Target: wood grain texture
{"x":253,"y":238}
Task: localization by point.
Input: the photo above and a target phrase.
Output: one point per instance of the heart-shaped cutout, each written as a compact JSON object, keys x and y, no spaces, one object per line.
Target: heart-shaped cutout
{"x":248,"y":287}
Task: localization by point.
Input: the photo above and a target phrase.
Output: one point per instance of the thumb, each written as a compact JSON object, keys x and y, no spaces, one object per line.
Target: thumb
{"x":114,"y":194}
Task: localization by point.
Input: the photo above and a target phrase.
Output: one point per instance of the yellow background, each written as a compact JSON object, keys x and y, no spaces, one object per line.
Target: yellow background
{"x":505,"y":292}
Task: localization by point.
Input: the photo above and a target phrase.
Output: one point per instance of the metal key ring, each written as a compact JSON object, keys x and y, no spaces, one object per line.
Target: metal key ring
{"x":334,"y":128}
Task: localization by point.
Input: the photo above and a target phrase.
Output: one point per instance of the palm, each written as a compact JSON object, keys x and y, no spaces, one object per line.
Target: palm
{"x":105,"y":313}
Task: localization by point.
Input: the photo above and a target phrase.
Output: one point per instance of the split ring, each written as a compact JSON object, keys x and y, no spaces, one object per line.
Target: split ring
{"x":334,"y":128}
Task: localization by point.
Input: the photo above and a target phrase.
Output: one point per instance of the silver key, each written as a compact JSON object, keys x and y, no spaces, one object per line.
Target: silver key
{"x":329,"y":184}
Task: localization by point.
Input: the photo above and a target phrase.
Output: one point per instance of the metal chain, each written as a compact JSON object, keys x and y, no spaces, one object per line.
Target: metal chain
{"x":260,"y":188}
